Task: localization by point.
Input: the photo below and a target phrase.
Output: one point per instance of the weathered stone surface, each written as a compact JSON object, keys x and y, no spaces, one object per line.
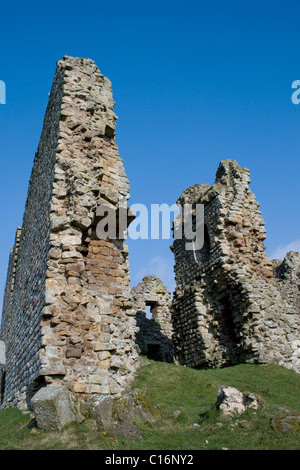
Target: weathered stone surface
{"x":227,"y":307}
{"x":63,"y":282}
{"x":9,"y":288}
{"x":286,"y":422}
{"x":289,"y":268}
{"x":287,"y":274}
{"x":108,"y":413}
{"x":2,"y":380}
{"x":53,"y":408}
{"x":100,"y":409}
{"x":74,"y":352}
{"x":68,"y":316}
{"x":231,"y":401}
{"x":2,"y":353}
{"x":154,"y":336}
{"x":134,"y":405}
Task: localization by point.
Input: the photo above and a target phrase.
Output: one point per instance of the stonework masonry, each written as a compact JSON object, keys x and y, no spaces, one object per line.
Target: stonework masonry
{"x":2,"y":368}
{"x":67,"y":316}
{"x":287,"y":273}
{"x":9,"y":287}
{"x":228,"y":306}
{"x":155,"y":335}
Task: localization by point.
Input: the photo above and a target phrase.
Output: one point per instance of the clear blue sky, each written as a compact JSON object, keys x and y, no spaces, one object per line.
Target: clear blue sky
{"x":195,"y":82}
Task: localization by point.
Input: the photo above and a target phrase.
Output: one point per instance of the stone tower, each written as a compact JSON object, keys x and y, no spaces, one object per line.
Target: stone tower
{"x":227,"y":307}
{"x":67,"y":315}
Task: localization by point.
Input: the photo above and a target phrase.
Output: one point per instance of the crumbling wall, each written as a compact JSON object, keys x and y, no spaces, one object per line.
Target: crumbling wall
{"x":154,"y":336}
{"x":21,"y":317}
{"x":72,"y":320}
{"x":287,"y":274}
{"x":9,"y":288}
{"x":227,"y":307}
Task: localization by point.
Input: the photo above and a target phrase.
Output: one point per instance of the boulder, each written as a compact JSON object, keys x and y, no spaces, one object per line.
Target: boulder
{"x":53,"y":408}
{"x":99,"y":410}
{"x":231,"y":401}
{"x":287,"y":422}
{"x":133,"y":406}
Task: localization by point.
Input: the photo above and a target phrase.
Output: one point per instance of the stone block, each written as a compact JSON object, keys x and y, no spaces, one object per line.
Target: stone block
{"x":53,"y":408}
{"x":74,"y":352}
{"x":100,"y":409}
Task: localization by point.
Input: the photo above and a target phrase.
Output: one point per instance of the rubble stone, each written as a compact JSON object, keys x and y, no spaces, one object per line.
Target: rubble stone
{"x":53,"y":408}
{"x":231,"y":401}
{"x":99,"y":409}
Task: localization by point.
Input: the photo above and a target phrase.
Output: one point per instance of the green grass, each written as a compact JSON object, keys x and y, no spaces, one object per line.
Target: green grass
{"x":184,"y":397}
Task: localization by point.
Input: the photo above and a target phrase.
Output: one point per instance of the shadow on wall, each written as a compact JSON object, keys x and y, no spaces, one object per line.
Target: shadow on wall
{"x":151,"y":341}
{"x":152,"y":304}
{"x":2,"y":382}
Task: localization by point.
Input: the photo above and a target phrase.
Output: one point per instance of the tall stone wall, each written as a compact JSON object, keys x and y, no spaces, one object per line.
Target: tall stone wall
{"x":71,"y":319}
{"x":2,"y":369}
{"x":155,"y":335}
{"x":23,"y":317}
{"x":227,"y":306}
{"x":9,"y":288}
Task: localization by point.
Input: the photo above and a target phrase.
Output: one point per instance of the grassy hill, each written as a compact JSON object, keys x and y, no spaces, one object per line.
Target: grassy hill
{"x":185,"y":399}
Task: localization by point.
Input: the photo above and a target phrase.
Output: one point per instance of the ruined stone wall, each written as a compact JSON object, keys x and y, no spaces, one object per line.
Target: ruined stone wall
{"x":2,"y":380}
{"x":9,"y":288}
{"x":23,"y":317}
{"x":287,"y":274}
{"x":227,"y":307}
{"x":72,"y":315}
{"x":2,"y":369}
{"x":154,"y":336}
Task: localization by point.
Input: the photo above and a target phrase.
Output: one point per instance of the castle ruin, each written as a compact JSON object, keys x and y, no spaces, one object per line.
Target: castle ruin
{"x":69,"y":316}
{"x":228,"y":305}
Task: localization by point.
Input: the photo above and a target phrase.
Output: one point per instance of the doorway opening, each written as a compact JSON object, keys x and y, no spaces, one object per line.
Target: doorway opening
{"x":154,"y":352}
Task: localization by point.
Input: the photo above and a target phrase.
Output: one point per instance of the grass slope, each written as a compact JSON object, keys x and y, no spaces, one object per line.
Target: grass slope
{"x":185,"y":399}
